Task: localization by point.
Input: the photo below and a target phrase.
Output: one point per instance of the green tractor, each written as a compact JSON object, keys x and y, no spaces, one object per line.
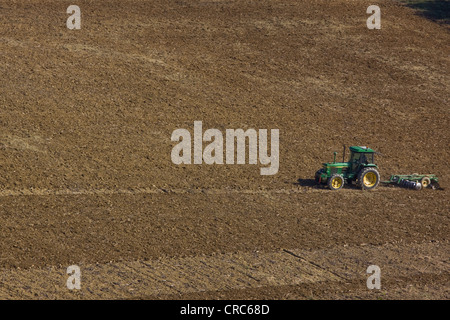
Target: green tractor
{"x":360,"y":169}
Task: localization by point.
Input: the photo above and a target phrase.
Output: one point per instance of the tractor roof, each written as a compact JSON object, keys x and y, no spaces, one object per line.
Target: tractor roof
{"x":361,"y":149}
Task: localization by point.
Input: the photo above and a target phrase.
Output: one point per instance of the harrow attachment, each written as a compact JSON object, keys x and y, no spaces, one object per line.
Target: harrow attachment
{"x":414,"y":181}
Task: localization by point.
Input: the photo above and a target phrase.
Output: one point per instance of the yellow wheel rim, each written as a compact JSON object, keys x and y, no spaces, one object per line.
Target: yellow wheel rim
{"x":425,"y":182}
{"x":336,"y":183}
{"x":370,"y":178}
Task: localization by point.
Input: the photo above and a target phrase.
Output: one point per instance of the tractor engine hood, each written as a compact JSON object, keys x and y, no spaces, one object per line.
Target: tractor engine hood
{"x":335,"y":164}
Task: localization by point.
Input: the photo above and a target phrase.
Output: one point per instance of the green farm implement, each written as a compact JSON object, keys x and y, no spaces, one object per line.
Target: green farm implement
{"x":414,"y":181}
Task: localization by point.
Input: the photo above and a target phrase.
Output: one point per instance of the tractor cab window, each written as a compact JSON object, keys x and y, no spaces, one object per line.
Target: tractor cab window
{"x":367,"y":158}
{"x":363,"y":159}
{"x":354,"y":160}
{"x":355,"y":157}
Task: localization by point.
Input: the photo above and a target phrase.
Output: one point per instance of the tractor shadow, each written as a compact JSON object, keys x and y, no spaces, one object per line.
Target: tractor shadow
{"x":306,"y":183}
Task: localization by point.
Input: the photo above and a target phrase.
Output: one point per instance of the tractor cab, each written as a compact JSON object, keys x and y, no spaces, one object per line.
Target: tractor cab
{"x":360,"y":156}
{"x":360,"y":168}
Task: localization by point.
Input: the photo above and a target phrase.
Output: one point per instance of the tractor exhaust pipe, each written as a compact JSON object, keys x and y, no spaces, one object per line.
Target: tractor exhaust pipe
{"x":343,"y":155}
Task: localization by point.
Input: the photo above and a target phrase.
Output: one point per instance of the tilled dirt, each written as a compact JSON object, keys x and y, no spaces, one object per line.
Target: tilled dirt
{"x":86,"y":176}
{"x":194,"y":276}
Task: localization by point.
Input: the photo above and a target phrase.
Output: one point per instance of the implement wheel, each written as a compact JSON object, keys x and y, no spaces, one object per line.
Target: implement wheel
{"x":425,"y":181}
{"x":368,"y":178}
{"x":336,"y":182}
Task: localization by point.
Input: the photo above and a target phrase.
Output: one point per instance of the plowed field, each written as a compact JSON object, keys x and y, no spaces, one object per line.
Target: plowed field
{"x":86,"y":176}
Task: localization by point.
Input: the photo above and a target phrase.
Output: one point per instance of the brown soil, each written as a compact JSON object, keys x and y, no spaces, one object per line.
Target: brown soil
{"x":86,"y":176}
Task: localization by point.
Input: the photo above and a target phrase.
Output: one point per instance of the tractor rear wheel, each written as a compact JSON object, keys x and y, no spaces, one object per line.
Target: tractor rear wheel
{"x":335,"y":182}
{"x":368,"y":178}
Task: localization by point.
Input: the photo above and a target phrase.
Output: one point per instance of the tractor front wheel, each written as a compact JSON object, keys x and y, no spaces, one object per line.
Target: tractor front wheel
{"x":336,"y":182}
{"x":368,"y":178}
